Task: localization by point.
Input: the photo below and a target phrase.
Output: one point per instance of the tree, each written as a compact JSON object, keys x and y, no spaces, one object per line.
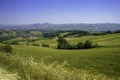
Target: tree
{"x":62,"y":43}
{"x":80,"y":45}
{"x":59,"y":40}
{"x":88,"y":44}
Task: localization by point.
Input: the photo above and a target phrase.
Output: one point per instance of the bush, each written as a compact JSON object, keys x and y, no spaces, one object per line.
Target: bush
{"x":88,"y":44}
{"x":6,"y":48}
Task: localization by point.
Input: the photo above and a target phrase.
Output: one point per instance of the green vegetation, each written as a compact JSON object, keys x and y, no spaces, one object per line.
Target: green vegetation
{"x":6,"y":48}
{"x":80,"y":45}
{"x":100,"y":63}
{"x":88,"y":44}
{"x":45,"y":45}
{"x":63,"y":44}
{"x":24,"y":35}
{"x":28,"y":69}
{"x":101,"y":60}
{"x":5,"y":75}
{"x":66,"y":33}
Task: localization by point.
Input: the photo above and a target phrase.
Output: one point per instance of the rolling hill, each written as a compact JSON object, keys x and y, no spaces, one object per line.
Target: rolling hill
{"x":104,"y":59}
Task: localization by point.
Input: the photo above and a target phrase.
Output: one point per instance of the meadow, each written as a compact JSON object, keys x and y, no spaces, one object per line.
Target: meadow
{"x":100,"y":60}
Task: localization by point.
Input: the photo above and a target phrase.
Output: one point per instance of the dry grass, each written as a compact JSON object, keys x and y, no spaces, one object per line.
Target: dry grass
{"x":4,"y":75}
{"x":28,"y":69}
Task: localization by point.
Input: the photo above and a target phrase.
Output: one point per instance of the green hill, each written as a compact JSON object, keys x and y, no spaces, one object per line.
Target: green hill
{"x":103,"y":60}
{"x":13,"y":34}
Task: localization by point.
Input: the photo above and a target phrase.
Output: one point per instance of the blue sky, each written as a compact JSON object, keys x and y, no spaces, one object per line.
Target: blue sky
{"x":59,"y":11}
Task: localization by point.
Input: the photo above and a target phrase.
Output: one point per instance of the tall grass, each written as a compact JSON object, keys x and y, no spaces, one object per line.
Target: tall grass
{"x":28,"y":69}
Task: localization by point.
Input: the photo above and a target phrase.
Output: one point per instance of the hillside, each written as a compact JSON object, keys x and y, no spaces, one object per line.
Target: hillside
{"x":104,"y":59}
{"x":12,"y":34}
{"x":102,"y":40}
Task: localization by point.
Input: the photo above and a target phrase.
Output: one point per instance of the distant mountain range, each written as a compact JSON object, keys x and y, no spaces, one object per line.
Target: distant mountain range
{"x":55,"y":27}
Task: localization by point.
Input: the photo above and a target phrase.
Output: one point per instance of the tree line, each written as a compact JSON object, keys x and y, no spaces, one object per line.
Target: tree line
{"x":79,"y":33}
{"x":63,"y":44}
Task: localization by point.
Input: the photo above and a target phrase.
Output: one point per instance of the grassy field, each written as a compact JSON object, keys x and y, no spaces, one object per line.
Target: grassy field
{"x":104,"y":40}
{"x":101,"y":60}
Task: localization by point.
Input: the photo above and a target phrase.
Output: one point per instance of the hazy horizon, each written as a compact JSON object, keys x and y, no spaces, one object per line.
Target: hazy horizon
{"x":59,"y":11}
{"x":56,"y":23}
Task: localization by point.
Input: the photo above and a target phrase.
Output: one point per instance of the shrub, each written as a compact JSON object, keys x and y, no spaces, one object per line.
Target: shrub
{"x":6,"y":48}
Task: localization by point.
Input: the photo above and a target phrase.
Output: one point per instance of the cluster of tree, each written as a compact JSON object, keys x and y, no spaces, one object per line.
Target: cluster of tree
{"x":106,"y":32}
{"x":3,"y":38}
{"x":6,"y":48}
{"x":43,"y":45}
{"x":11,"y":42}
{"x":70,"y":32}
{"x":6,"y":35}
{"x":76,"y":32}
{"x":79,"y":32}
{"x":63,"y":44}
{"x":50,"y":35}
{"x":35,"y":44}
{"x":88,"y":44}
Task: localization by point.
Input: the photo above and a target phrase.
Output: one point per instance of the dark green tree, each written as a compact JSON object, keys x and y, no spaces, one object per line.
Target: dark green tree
{"x":62,"y":43}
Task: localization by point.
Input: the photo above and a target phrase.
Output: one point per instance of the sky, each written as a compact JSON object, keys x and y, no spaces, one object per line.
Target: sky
{"x":59,"y":11}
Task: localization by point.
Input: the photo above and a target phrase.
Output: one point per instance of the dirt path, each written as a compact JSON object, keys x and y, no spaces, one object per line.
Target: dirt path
{"x":4,"y":75}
